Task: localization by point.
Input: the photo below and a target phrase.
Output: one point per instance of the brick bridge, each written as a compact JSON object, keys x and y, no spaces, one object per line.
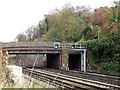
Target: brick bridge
{"x":65,"y":55}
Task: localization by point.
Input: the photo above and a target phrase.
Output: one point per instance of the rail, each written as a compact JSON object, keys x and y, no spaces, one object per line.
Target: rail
{"x":71,"y":81}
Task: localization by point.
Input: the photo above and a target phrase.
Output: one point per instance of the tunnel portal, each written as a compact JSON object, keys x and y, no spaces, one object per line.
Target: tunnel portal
{"x":75,"y":61}
{"x":53,"y":61}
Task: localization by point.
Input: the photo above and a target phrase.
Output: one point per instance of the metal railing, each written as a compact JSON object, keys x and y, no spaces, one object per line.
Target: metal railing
{"x":80,"y":46}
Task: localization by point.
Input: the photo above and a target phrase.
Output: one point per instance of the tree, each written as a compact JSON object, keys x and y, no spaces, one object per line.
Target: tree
{"x":53,"y":35}
{"x":29,"y":33}
{"x":105,"y":20}
{"x":69,"y":22}
{"x":21,"y":37}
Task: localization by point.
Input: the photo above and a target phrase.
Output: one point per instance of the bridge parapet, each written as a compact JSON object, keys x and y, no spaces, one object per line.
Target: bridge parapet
{"x":66,"y":45}
{"x":35,"y":44}
{"x":34,"y":47}
{"x":28,"y":44}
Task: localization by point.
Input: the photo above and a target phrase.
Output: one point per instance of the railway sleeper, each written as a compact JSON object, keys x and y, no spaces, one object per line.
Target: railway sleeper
{"x":64,"y":83}
{"x":42,"y":75}
{"x":55,"y":83}
{"x":49,"y":81}
{"x":98,"y":78}
{"x":46,"y":80}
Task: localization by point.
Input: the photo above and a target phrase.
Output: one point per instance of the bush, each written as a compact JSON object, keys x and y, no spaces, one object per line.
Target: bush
{"x":111,"y":67}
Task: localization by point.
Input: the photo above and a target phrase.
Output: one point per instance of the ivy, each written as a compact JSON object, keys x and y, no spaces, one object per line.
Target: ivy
{"x":104,"y":49}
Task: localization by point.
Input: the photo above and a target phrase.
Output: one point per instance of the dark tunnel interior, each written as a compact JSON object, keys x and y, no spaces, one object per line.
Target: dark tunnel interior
{"x":53,"y":61}
{"x":75,"y":61}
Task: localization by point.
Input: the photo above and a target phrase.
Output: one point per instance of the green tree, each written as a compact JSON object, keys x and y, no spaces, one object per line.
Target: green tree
{"x":21,"y":37}
{"x":69,"y":22}
{"x":53,"y":35}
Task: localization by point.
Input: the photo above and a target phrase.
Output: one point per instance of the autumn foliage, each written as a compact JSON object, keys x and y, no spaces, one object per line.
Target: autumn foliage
{"x":100,"y":29}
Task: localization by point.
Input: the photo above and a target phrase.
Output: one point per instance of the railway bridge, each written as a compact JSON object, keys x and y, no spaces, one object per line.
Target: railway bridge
{"x":64,"y":56}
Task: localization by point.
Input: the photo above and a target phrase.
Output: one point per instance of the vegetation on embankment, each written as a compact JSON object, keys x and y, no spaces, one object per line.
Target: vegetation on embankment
{"x":9,"y":80}
{"x":105,"y":51}
{"x":105,"y":46}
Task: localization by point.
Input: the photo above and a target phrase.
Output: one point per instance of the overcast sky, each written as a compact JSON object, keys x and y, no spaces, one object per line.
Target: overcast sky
{"x":16,"y":16}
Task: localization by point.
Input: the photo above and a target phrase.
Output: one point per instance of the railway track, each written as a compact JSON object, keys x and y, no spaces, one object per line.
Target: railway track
{"x":109,"y":79}
{"x":68,"y":81}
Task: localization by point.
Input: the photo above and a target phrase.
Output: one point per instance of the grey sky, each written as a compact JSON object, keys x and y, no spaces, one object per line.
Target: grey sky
{"x":18,"y":15}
